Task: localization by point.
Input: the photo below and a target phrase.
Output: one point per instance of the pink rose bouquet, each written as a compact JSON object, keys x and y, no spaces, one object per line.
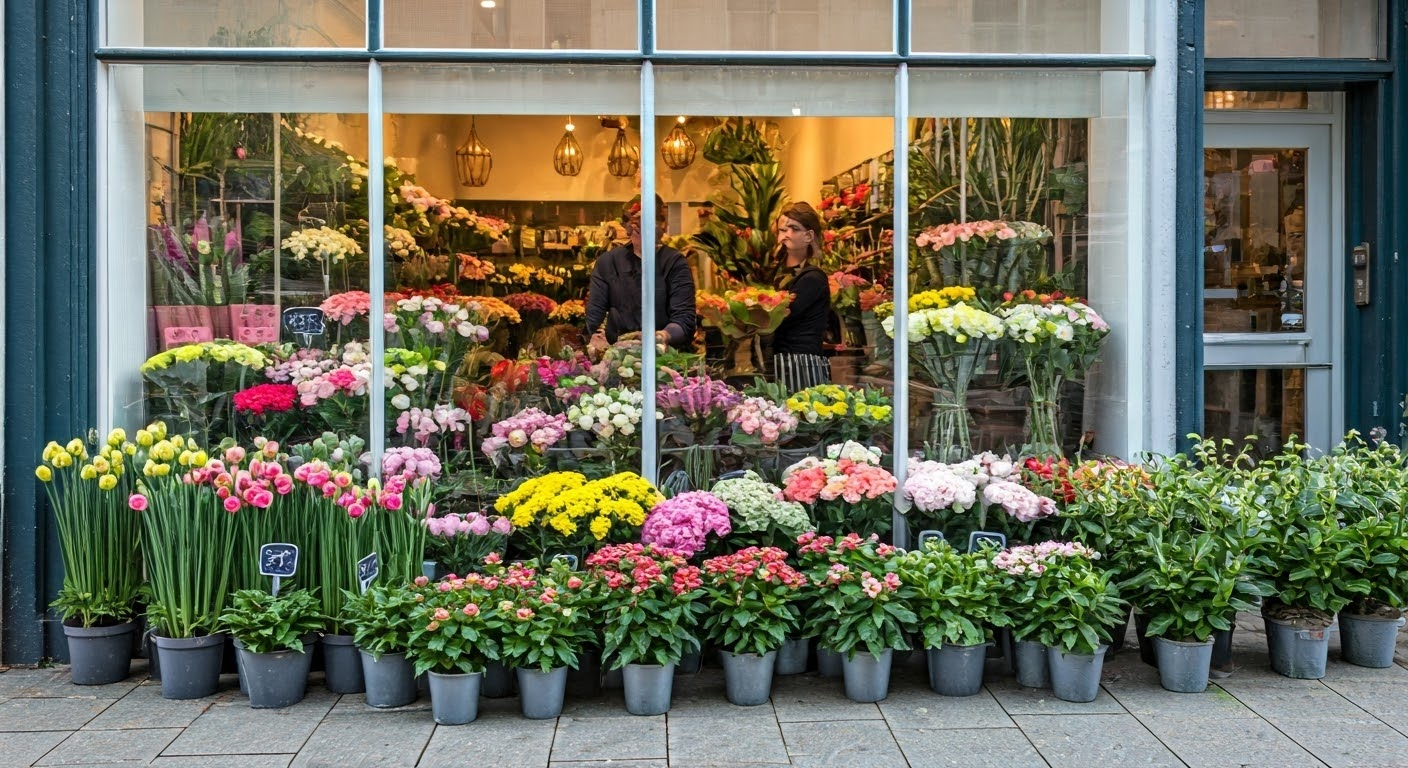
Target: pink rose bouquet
{"x":683,"y":523}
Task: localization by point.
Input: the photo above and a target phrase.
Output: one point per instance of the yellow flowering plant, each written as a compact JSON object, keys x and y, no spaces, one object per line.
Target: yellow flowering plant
{"x":832,"y":414}
{"x":564,"y":512}
{"x":192,"y":385}
{"x":87,"y":483}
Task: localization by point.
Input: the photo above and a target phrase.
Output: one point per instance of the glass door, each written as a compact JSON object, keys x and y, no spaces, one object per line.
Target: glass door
{"x":1271,"y":307}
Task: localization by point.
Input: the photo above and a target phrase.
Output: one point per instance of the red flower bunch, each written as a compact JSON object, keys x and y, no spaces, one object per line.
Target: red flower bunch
{"x":509,"y":375}
{"x":1032,"y":297}
{"x":266,"y":398}
{"x":530,"y":302}
{"x":648,"y":606}
{"x":752,"y":598}
{"x":767,"y":564}
{"x":446,"y":292}
{"x":639,"y":567}
{"x":1049,"y":477}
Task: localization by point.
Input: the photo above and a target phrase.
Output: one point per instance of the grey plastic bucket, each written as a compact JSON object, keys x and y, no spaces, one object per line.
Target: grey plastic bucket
{"x":1297,"y":653}
{"x":499,"y":682}
{"x":454,"y":698}
{"x":648,"y":688}
{"x":100,"y":655}
{"x":748,"y":677}
{"x":277,"y":679}
{"x":1075,"y":676}
{"x":1222,"y":647}
{"x":540,"y":694}
{"x":584,"y":681}
{"x":190,"y":666}
{"x":1368,"y":641}
{"x":1183,"y":667}
{"x":792,"y":656}
{"x":957,"y":670}
{"x":1033,"y":671}
{"x":391,"y":680}
{"x":342,"y":666}
{"x":828,"y":662}
{"x":867,"y":676}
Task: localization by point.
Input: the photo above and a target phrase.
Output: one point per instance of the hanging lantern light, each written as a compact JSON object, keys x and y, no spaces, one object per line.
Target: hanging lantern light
{"x":473,"y":160}
{"x":678,"y":149}
{"x":624,"y":159}
{"x":567,"y":158}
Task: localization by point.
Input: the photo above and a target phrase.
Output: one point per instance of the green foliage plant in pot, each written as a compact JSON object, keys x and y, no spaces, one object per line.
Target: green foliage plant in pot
{"x":751,"y":601}
{"x":958,"y":601}
{"x":88,"y":485}
{"x":863,"y":611}
{"x":382,"y":619}
{"x":1106,"y":510}
{"x":451,"y":640}
{"x":273,"y":636}
{"x":650,"y":612}
{"x":541,"y":628}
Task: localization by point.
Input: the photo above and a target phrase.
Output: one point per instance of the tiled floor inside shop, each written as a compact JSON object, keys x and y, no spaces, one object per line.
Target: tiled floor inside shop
{"x":1253,"y":717}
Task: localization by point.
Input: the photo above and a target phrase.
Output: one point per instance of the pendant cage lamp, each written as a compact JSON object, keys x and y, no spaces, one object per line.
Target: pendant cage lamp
{"x":473,"y":160}
{"x":624,"y":159}
{"x":678,"y":149}
{"x":567,"y":157}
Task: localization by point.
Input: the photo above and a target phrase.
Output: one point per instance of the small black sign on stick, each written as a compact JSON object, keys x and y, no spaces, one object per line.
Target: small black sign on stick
{"x":278,"y":560}
{"x":367,"y":570}
{"x":305,"y":323}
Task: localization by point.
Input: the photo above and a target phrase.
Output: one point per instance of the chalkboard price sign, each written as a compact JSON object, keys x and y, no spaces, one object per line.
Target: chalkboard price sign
{"x":305,"y":322}
{"x":278,"y":560}
{"x":367,"y":570}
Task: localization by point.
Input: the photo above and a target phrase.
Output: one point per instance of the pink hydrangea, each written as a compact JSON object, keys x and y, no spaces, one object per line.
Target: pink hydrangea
{"x":683,"y":523}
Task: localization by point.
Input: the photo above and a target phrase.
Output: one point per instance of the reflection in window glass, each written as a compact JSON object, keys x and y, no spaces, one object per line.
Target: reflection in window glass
{"x":1309,"y":28}
{"x":518,"y":24}
{"x":1014,"y":26}
{"x":1256,"y":100}
{"x":1266,"y":402}
{"x":237,"y":23}
{"x":775,"y":25}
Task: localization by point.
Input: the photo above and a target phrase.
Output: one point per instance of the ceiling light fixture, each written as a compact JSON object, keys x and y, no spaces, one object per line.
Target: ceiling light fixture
{"x":624,"y":159}
{"x":678,"y":149}
{"x":473,"y":160}
{"x":567,"y":157}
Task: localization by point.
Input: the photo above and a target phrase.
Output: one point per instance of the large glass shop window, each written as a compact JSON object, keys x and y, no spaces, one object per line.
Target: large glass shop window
{"x":237,"y":23}
{"x":1027,"y":26}
{"x":517,"y":24}
{"x":1018,"y":319}
{"x":775,"y":25}
{"x":221,"y":267}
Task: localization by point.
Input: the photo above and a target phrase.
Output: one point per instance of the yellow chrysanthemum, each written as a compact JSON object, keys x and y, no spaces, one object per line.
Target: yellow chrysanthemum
{"x":600,"y":527}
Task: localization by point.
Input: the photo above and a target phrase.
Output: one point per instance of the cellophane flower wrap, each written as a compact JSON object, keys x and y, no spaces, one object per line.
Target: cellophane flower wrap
{"x":649,"y":606}
{"x":541,"y":620}
{"x":758,"y":516}
{"x":832,"y":414}
{"x":459,"y":542}
{"x":1056,"y":595}
{"x":88,"y":485}
{"x":1057,"y":338}
{"x":861,"y":604}
{"x":519,"y":444}
{"x":751,"y":600}
{"x":1000,"y":254}
{"x":846,"y":491}
{"x":563,"y":512}
{"x":683,"y":523}
{"x":702,"y":404}
{"x":452,"y":624}
{"x":950,"y":337}
{"x":190,"y":385}
{"x":744,"y":311}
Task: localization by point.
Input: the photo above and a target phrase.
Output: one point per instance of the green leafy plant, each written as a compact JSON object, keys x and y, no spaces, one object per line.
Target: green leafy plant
{"x":1192,"y":584}
{"x":382,"y":618}
{"x":750,"y":599}
{"x":957,"y":596}
{"x":1373,"y":506}
{"x":1056,"y":596}
{"x":648,"y":607}
{"x":265,"y":623}
{"x":740,"y":239}
{"x":451,"y":630}
{"x":539,"y":622}
{"x":863,"y":603}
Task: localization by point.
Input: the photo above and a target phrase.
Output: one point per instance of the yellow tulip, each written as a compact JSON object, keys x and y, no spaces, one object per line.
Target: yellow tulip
{"x":144,"y":438}
{"x":88,"y":472}
{"x":107,"y":482}
{"x":43,"y":473}
{"x":199,"y":459}
{"x":75,"y":447}
{"x":117,"y":437}
{"x":51,"y":449}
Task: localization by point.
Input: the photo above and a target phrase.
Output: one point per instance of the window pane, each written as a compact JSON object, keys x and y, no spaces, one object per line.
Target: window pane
{"x":1018,"y":181}
{"x":775,"y":25}
{"x":1261,"y":100}
{"x":1266,"y":402}
{"x":519,"y":24}
{"x":237,"y":23}
{"x":1026,"y":26}
{"x":1349,"y":29}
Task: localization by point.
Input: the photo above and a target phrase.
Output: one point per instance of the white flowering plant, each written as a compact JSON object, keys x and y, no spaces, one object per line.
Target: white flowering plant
{"x":323,"y":244}
{"x":612,"y":416}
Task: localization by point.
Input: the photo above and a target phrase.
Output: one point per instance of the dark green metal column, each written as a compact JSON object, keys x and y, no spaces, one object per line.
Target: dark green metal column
{"x":49,"y":291}
{"x":1188,"y":288}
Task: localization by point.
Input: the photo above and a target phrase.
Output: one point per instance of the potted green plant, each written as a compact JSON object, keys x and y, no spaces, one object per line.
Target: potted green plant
{"x":188,"y":541}
{"x":649,"y":615}
{"x":382,"y":619}
{"x":751,"y":609}
{"x":814,"y":556}
{"x":958,"y":600}
{"x":864,"y":613}
{"x":1061,"y":600}
{"x":451,"y":641}
{"x":274,"y":636}
{"x":541,"y":630}
{"x":88,"y":486}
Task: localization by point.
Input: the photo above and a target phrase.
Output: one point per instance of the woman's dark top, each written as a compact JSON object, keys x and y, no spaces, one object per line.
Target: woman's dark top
{"x":615,"y":294}
{"x":801,"y":332}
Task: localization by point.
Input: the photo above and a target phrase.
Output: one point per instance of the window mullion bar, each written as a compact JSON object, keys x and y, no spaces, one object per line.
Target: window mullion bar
{"x":650,"y":468}
{"x":376,"y":262}
{"x":374,"y":17}
{"x":900,"y":398}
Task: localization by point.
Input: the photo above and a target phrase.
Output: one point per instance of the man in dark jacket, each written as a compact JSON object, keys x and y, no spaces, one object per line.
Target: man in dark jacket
{"x":615,"y":287}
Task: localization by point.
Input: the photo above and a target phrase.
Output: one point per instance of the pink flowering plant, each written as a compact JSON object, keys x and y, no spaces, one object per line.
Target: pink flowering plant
{"x":1057,"y":596}
{"x":451,"y":625}
{"x":519,"y":445}
{"x":751,"y":600}
{"x":649,"y":606}
{"x":460,"y":542}
{"x":847,"y":490}
{"x":541,"y":621}
{"x":341,"y":539}
{"x":683,"y":523}
{"x":984,"y":493}
{"x":862,"y":603}
{"x":760,"y":423}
